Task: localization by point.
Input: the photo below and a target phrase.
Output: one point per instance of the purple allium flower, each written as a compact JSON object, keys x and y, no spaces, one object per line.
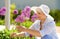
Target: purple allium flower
{"x":27,"y":9}
{"x":26,"y":12}
{"x":0,"y":11}
{"x":33,"y":18}
{"x":26,"y":15}
{"x":3,"y":11}
{"x":15,"y":12}
{"x":20,"y":18}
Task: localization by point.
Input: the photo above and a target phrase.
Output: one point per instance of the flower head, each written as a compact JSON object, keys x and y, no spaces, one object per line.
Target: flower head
{"x":20,"y":18}
{"x":33,"y":18}
{"x":27,"y":9}
{"x":15,"y":11}
{"x":26,"y":12}
{"x":3,"y":11}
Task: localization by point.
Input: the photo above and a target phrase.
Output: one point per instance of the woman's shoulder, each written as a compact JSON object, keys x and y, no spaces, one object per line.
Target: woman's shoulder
{"x":52,"y":23}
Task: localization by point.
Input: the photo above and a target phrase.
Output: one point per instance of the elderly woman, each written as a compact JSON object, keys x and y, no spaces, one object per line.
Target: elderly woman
{"x":43,"y":27}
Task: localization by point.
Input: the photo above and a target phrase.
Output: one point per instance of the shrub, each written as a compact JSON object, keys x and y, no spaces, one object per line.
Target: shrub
{"x":5,"y":34}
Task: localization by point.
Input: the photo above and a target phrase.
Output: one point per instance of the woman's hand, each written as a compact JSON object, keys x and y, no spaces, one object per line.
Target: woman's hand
{"x":13,"y":35}
{"x":17,"y":35}
{"x":20,"y":28}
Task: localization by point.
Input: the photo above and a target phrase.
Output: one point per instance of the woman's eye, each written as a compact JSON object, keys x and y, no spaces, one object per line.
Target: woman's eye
{"x":38,"y":13}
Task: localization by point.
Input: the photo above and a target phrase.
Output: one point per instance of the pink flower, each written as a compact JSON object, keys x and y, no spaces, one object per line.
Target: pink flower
{"x":33,"y":18}
{"x":26,"y":12}
{"x":15,"y":11}
{"x":3,"y":11}
{"x":27,"y":9}
{"x":20,"y":18}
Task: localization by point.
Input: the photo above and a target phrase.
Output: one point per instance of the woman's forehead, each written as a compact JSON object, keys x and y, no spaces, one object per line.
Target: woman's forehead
{"x":39,"y":10}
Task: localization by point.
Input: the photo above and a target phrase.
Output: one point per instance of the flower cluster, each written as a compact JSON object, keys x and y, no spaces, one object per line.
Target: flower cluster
{"x":2,"y":11}
{"x":33,"y":18}
{"x":26,"y":15}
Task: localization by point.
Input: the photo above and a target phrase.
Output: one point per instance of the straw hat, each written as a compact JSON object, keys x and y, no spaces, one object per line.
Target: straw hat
{"x":45,"y":9}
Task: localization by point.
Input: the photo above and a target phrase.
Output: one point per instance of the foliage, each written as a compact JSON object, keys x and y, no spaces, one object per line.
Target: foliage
{"x":58,"y":23}
{"x":27,"y":24}
{"x":2,"y":22}
{"x":55,"y":14}
{"x":5,"y":34}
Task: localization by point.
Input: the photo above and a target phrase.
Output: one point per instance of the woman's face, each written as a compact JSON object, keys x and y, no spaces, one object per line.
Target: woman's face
{"x":40,"y":14}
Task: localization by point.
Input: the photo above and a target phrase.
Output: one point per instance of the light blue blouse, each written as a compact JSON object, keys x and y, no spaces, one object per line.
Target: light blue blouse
{"x":48,"y":31}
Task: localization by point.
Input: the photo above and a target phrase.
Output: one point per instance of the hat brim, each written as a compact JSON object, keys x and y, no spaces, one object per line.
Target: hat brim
{"x":34,"y":9}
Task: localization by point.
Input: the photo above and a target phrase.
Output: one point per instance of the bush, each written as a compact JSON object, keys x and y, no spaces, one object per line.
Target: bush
{"x":27,"y":24}
{"x":6,"y":35}
{"x":55,"y":14}
{"x":58,"y":23}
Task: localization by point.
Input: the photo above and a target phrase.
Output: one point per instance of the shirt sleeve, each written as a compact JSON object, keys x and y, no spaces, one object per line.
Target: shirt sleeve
{"x":48,"y":28}
{"x":34,"y":26}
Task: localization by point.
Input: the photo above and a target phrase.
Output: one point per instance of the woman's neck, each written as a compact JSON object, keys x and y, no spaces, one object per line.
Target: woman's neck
{"x":41,"y":23}
{"x":43,"y":20}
